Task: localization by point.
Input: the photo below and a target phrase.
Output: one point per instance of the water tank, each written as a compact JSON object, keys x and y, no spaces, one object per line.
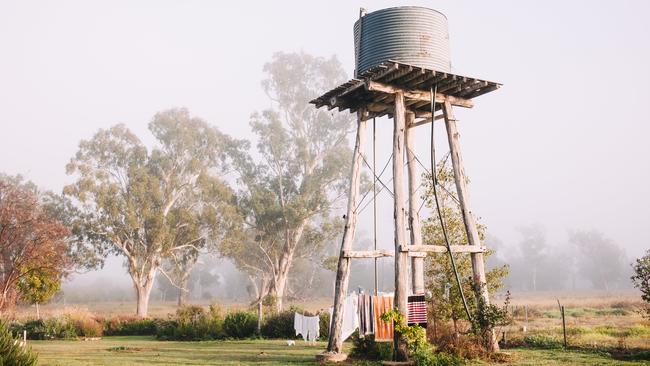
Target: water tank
{"x":410,"y":34}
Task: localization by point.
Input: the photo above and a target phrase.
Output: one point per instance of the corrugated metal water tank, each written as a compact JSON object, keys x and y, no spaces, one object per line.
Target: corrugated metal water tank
{"x":410,"y":34}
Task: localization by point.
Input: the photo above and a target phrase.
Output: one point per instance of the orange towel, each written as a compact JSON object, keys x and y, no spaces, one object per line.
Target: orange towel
{"x":383,"y":330}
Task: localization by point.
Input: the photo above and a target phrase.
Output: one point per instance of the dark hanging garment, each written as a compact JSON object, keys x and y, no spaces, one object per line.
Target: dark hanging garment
{"x":362,"y":316}
{"x":417,"y":310}
{"x":371,"y":315}
{"x":366,"y":323}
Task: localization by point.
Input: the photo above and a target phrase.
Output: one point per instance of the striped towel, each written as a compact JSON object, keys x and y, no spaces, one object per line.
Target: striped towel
{"x":417,"y":310}
{"x":383,"y":330}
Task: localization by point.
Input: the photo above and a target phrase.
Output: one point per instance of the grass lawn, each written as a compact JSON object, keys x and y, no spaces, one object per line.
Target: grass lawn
{"x":147,"y":351}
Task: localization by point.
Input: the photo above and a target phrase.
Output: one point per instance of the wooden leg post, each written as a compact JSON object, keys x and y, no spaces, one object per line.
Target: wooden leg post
{"x":478,"y":265}
{"x":399,"y":215}
{"x":417,"y":263}
{"x":335,"y":344}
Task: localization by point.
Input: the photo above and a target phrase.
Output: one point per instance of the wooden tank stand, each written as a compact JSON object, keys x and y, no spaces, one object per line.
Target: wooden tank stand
{"x":403,"y":92}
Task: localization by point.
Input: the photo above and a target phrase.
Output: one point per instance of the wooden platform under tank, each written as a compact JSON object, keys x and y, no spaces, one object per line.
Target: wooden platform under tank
{"x":375,"y":89}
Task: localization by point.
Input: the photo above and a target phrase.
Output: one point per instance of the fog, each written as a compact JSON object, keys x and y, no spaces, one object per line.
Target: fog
{"x":561,"y":147}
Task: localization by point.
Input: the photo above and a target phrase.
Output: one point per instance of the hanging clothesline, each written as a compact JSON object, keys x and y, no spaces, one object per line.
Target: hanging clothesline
{"x":307,"y":326}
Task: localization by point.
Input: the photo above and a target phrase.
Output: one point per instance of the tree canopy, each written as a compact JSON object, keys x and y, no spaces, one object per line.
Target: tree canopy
{"x":32,"y":242}
{"x":149,"y":206}
{"x":286,"y":195}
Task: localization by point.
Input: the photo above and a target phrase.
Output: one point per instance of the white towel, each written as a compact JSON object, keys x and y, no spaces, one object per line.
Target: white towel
{"x":350,"y":316}
{"x":312,"y":327}
{"x":298,"y":320}
{"x":307,"y":326}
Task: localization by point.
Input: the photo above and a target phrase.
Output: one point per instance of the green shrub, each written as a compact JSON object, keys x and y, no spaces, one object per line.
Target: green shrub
{"x":324,"y":325}
{"x":192,"y":323}
{"x":190,"y":314}
{"x":36,"y":330}
{"x":430,"y":358}
{"x":53,"y":328}
{"x":279,"y":326}
{"x":542,"y":341}
{"x":129,"y":326}
{"x":166,"y":330}
{"x":12,"y":353}
{"x":367,"y":349}
{"x":240,"y":324}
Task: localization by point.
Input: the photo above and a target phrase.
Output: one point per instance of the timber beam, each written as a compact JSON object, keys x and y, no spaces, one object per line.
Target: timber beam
{"x":417,"y":95}
{"x":424,"y":121}
{"x":369,"y":253}
{"x":443,"y":249}
{"x":418,"y":251}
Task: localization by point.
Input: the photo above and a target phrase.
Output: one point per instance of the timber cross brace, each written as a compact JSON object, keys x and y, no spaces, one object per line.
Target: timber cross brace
{"x":411,"y":96}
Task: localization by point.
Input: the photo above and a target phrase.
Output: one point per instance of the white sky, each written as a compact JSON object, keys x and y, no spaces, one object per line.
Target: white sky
{"x":563,"y":143}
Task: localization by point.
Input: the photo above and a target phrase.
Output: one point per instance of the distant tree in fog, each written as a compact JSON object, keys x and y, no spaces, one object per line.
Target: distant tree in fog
{"x":539,"y":265}
{"x":536,"y":264}
{"x":601,"y":261}
{"x":149,"y":206}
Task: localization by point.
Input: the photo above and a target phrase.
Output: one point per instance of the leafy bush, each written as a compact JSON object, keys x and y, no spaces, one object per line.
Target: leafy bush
{"x":416,"y":340}
{"x":192,"y":323}
{"x":240,"y":324}
{"x":88,"y":327}
{"x":279,"y":325}
{"x":324,"y":325}
{"x":464,"y":346}
{"x":366,"y":348}
{"x":12,"y":353}
{"x":167,"y":330}
{"x":641,"y":280}
{"x":53,"y":328}
{"x":542,"y":341}
{"x":487,"y":317}
{"x":128,"y":326}
{"x":430,"y":358}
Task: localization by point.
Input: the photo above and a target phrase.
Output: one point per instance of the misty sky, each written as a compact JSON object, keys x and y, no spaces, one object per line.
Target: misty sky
{"x":562,"y":144}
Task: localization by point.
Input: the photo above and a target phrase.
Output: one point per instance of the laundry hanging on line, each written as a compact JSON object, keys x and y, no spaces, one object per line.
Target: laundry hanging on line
{"x":364,"y":312}
{"x":383,"y":330}
{"x":350,"y":316}
{"x":417,"y":311}
{"x":366,"y":315}
{"x":307,"y":326}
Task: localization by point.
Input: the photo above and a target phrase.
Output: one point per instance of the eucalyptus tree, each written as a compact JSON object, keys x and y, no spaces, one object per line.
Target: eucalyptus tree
{"x":440,"y":274}
{"x":148,"y":206}
{"x":287,"y":194}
